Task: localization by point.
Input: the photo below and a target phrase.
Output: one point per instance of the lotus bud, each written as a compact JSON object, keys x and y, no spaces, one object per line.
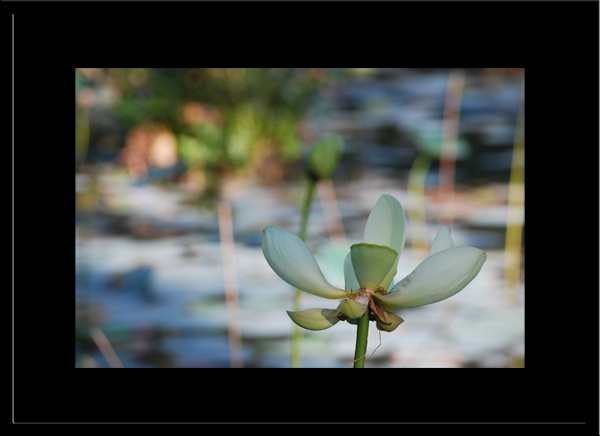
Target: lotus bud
{"x":322,"y":160}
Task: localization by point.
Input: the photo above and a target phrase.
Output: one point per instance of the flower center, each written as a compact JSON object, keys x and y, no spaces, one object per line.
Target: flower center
{"x":361,"y":294}
{"x":364,"y":296}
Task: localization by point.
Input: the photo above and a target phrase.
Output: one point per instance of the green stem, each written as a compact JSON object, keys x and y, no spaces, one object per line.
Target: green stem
{"x":306,"y":208}
{"x":361,"y":341}
{"x":297,"y":333}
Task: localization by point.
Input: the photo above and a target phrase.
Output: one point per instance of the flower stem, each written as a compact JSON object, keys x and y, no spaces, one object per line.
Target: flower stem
{"x":361,"y":341}
{"x":297,"y":333}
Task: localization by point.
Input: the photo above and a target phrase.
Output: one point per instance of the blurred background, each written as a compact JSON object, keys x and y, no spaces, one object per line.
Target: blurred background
{"x":178,"y":171}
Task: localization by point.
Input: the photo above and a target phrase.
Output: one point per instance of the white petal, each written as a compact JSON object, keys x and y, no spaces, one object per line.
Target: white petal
{"x":291,"y":260}
{"x":385,"y":226}
{"x":314,"y":319}
{"x":438,"y":277}
{"x":349,"y":276}
{"x":442,"y":241}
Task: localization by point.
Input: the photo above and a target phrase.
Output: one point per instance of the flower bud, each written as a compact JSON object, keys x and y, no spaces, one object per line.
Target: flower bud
{"x":323,"y":158}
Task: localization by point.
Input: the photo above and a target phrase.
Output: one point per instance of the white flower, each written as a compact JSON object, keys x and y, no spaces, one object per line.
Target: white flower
{"x":369,"y":270}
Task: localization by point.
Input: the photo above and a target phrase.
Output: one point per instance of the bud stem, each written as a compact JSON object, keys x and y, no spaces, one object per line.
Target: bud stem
{"x":306,"y":208}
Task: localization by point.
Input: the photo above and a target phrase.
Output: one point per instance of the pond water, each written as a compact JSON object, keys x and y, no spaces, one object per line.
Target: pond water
{"x":150,"y":268}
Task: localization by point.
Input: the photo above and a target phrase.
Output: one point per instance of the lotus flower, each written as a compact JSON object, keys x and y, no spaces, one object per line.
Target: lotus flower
{"x":369,"y":270}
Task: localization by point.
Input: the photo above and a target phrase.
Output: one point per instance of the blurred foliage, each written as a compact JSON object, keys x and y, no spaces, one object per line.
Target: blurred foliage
{"x":225,"y":120}
{"x":429,"y":142}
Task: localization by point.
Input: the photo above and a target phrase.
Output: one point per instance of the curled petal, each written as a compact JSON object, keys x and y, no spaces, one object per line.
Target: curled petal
{"x":442,"y":241}
{"x":392,"y":319}
{"x":372,"y":263}
{"x":314,"y":319}
{"x":291,"y":260}
{"x":352,"y":308}
{"x":438,"y":277}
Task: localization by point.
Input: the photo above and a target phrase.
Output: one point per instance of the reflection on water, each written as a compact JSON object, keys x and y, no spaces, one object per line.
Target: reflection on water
{"x":149,"y":264}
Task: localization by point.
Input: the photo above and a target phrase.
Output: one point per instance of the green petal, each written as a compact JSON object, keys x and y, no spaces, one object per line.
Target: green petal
{"x":438,"y":277}
{"x":349,"y":276}
{"x":386,"y":226}
{"x":390,"y":317}
{"x":372,"y":263}
{"x":291,"y":260}
{"x":314,"y":319}
{"x":442,"y":240}
{"x":352,"y":308}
